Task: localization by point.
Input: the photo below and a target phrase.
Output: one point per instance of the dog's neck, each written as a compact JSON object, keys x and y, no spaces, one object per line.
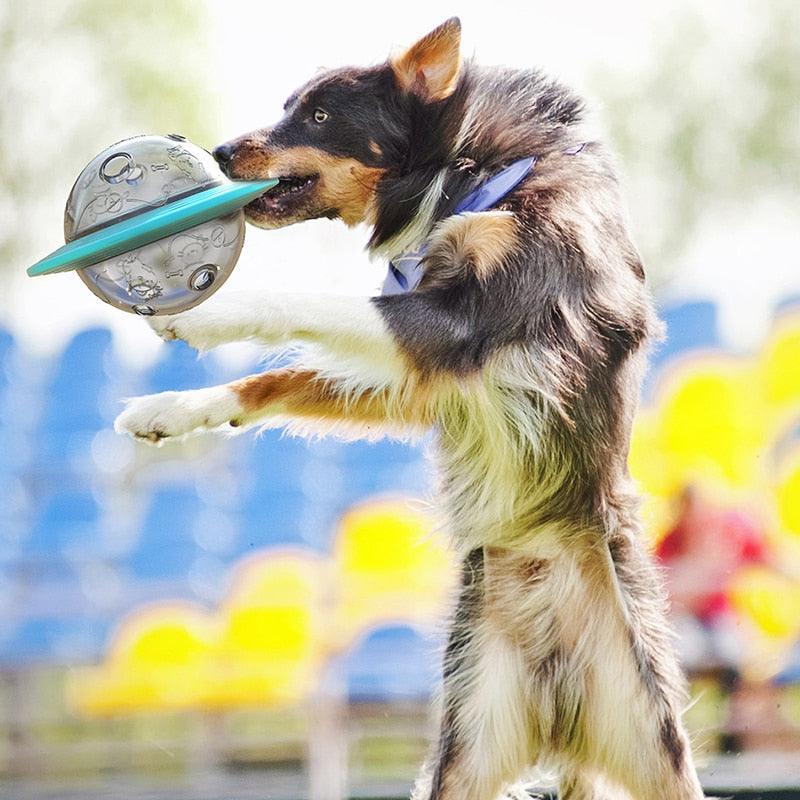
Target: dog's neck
{"x":419,"y":227}
{"x":488,"y":123}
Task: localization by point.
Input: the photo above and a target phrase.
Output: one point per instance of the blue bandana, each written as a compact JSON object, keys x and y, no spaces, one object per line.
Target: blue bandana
{"x":406,"y":271}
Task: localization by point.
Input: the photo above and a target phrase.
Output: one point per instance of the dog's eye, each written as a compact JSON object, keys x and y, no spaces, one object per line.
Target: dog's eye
{"x":320,"y":116}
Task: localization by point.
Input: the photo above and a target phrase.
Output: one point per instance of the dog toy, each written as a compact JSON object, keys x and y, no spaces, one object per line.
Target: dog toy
{"x":153,"y":226}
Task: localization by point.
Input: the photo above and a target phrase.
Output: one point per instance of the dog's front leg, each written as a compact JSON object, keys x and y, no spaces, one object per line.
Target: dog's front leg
{"x":364,"y":377}
{"x":293,"y":394}
{"x":350,"y":326}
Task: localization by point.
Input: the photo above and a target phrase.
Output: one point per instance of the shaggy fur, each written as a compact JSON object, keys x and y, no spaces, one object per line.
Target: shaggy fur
{"x":523,"y":348}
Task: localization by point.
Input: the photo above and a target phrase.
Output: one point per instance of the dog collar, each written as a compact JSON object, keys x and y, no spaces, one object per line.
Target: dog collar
{"x":406,"y":271}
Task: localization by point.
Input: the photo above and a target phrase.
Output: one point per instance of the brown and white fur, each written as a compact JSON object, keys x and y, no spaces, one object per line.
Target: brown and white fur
{"x":522,"y":348}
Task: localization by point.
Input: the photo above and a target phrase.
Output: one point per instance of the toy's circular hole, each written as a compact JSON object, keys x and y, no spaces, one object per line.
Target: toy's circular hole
{"x":144,"y":311}
{"x":202,"y":277}
{"x":116,"y":167}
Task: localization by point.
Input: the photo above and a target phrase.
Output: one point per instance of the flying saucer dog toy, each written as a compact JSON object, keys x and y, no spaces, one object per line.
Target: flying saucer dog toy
{"x":153,"y":226}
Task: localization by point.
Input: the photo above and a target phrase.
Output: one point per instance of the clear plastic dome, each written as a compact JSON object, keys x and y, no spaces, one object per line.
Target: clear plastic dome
{"x":169,"y":275}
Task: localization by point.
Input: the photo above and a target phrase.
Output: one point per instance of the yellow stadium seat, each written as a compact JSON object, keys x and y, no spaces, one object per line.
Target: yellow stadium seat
{"x":390,"y":565}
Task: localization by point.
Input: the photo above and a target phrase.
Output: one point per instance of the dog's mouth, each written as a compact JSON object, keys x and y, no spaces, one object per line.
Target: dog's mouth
{"x":287,"y":197}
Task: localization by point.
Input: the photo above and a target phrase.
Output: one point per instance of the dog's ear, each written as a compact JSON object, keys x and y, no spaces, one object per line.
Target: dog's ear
{"x":430,"y":67}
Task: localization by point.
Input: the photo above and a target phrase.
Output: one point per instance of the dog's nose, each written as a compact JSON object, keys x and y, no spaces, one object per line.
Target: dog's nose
{"x":223,"y":155}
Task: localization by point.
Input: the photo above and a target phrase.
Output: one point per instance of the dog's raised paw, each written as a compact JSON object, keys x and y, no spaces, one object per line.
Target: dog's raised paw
{"x":196,"y":327}
{"x":172,"y":415}
{"x":203,"y":328}
{"x":154,"y":418}
{"x":164,"y":327}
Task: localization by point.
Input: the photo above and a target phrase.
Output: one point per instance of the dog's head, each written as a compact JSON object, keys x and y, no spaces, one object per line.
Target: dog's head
{"x":342,"y":132}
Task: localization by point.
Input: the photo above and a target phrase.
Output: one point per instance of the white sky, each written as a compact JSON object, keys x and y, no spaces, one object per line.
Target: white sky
{"x":262,"y":50}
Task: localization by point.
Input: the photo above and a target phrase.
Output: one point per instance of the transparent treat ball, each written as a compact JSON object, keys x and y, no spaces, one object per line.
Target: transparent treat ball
{"x":174,"y":273}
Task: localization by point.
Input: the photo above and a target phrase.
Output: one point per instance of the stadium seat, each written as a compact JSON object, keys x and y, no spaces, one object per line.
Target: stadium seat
{"x":790,"y":674}
{"x":690,"y":326}
{"x":273,"y":496}
{"x":790,"y":303}
{"x":178,"y":368}
{"x":391,"y":663}
{"x":273,"y":461}
{"x":272,"y":518}
{"x":73,"y":410}
{"x":63,"y":640}
{"x":383,"y":466}
{"x":166,"y":548}
{"x":6,"y":349}
{"x":66,"y":528}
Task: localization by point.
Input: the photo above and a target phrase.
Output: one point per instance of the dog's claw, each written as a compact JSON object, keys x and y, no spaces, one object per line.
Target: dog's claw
{"x":154,"y":419}
{"x":164,"y":327}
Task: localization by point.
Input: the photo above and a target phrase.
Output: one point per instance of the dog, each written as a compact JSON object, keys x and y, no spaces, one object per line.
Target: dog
{"x":519,"y":335}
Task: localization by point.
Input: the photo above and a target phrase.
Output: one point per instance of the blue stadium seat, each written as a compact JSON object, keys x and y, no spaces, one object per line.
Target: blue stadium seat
{"x":66,"y":527}
{"x":166,"y":548}
{"x":690,"y":326}
{"x":273,"y":501}
{"x":272,"y":518}
{"x":6,"y":349}
{"x":273,"y":462}
{"x":280,"y":507}
{"x":383,"y":466}
{"x":391,"y":663}
{"x":72,"y":413}
{"x":178,"y":368}
{"x":16,"y":449}
{"x":790,"y":674}
{"x":61,"y":640}
{"x":789,"y":303}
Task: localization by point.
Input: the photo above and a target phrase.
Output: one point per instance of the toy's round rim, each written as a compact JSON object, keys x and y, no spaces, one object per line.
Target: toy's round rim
{"x":150,"y":226}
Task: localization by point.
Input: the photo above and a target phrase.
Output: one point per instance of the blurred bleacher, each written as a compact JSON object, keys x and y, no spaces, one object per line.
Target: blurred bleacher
{"x":92,"y":525}
{"x":99,"y":535}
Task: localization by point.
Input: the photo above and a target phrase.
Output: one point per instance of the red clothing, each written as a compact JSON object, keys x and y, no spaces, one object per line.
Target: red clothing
{"x":701,"y":554}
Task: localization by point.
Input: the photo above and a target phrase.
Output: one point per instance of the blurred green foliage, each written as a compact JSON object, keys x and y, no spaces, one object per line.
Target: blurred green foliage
{"x":713,"y":123}
{"x":78,"y":76}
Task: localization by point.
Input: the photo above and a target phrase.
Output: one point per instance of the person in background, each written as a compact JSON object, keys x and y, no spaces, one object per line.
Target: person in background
{"x":701,"y":553}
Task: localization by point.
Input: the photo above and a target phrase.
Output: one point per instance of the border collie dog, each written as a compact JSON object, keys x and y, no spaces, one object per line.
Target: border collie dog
{"x":514,"y":322}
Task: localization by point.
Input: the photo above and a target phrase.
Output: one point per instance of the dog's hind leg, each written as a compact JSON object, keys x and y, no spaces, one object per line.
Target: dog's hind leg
{"x":483,"y":743}
{"x":651,"y":760}
{"x":635,"y":697}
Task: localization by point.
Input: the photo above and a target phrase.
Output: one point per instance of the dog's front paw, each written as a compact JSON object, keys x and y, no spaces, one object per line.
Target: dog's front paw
{"x":164,"y":326}
{"x":232,"y":317}
{"x":197,"y":327}
{"x":171,"y":415}
{"x":218,"y":321}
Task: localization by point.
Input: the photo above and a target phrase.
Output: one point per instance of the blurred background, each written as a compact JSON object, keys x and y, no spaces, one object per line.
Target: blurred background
{"x":260,"y":616}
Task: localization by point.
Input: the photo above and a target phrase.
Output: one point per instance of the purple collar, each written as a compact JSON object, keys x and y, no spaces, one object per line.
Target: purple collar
{"x":406,"y":271}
